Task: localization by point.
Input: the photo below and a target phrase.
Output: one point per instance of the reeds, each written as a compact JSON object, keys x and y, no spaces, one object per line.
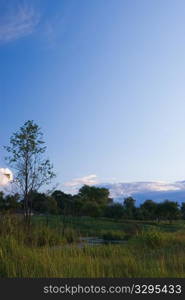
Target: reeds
{"x":42,"y":251}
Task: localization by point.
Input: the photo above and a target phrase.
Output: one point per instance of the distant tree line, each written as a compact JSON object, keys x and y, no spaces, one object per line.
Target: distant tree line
{"x":95,"y":202}
{"x":90,"y":201}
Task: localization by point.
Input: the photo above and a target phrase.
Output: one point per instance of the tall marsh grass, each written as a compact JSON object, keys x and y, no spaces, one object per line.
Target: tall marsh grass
{"x":36,"y":235}
{"x":102,"y":261}
{"x":44,"y":252}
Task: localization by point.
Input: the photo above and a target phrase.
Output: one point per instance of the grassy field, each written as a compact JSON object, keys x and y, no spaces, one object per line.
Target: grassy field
{"x":45,"y":250}
{"x":88,"y":226}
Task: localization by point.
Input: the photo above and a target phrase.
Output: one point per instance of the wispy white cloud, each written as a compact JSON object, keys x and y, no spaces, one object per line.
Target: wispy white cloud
{"x":89,"y":180}
{"x":18,"y":22}
{"x":74,"y":185}
{"x":5,"y":176}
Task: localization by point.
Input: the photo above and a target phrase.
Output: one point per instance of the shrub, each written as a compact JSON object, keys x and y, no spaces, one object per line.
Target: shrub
{"x":153,"y":239}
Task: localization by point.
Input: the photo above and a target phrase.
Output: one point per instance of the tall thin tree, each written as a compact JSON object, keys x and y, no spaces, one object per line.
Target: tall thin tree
{"x":26,"y":157}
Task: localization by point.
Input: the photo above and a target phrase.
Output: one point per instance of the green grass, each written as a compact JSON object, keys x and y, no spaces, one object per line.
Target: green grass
{"x":101,"y":261}
{"x":89,"y":226}
{"x":44,"y":251}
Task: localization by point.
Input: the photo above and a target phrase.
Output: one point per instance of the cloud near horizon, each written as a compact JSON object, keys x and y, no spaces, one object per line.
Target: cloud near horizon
{"x":124,"y":189}
{"x":5,"y":176}
{"x":89,"y":180}
{"x":17,"y":22}
{"x":132,"y":188}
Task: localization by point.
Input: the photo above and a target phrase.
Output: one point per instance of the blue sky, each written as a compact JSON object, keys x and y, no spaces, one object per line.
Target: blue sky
{"x":105,"y":81}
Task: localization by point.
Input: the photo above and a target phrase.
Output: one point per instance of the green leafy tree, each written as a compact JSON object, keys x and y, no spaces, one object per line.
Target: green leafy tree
{"x":26,"y":157}
{"x":168,"y":210}
{"x":64,"y":201}
{"x":95,"y":194}
{"x":78,"y":205}
{"x":114,"y":210}
{"x":91,"y":209}
{"x":52,"y":205}
{"x":39,"y":202}
{"x":148,"y":210}
{"x":129,"y":208}
{"x":12,"y":202}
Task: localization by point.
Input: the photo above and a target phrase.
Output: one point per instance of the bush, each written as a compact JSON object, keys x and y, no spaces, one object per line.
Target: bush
{"x":153,"y":239}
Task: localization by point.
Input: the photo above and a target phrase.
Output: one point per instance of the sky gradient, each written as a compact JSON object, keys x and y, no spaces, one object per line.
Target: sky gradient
{"x":105,"y":81}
